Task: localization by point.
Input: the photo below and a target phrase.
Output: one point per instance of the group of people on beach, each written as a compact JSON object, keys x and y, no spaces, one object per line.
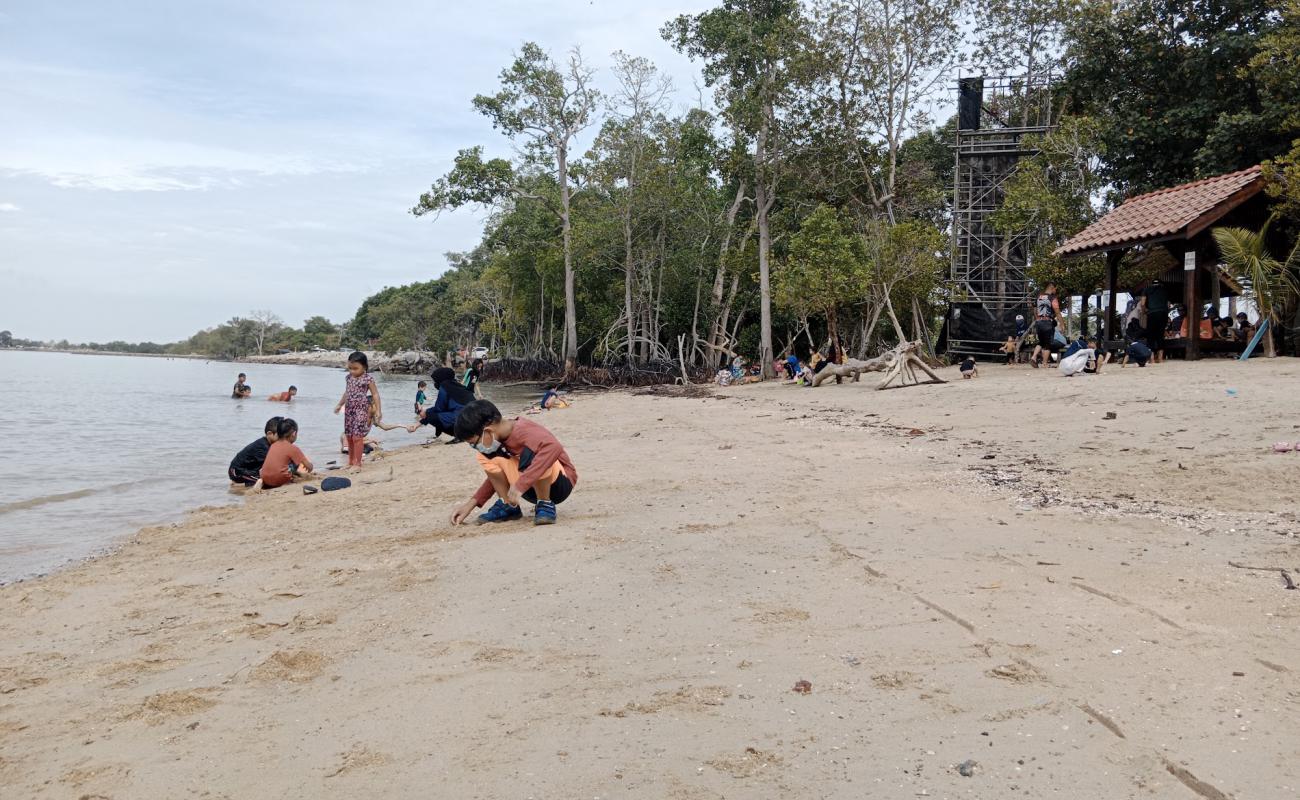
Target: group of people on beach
{"x":521,"y":460}
{"x":1150,"y":320}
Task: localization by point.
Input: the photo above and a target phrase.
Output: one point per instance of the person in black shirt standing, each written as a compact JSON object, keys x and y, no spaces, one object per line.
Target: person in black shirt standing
{"x":1156,"y":300}
{"x":246,"y":468}
{"x":241,"y":389}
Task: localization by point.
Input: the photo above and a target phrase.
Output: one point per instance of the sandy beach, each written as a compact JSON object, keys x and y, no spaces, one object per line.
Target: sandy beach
{"x":985,"y":577}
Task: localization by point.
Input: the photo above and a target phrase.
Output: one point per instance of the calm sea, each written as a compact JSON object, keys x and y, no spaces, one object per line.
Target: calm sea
{"x":99,"y":446}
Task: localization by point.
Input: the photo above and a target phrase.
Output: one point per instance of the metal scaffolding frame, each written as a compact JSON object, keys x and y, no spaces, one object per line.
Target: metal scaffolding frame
{"x":988,"y":279}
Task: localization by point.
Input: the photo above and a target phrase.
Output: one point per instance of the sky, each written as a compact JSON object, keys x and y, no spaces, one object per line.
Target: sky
{"x":165,"y":166}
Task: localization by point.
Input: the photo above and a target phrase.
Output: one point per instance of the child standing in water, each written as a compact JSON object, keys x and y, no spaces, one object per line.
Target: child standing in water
{"x":356,"y":406}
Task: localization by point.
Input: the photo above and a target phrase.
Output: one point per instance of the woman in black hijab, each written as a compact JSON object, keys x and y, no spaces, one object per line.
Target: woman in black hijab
{"x":452,"y":397}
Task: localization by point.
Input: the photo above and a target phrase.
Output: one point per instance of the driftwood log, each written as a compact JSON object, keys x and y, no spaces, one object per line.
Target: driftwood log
{"x":899,"y":364}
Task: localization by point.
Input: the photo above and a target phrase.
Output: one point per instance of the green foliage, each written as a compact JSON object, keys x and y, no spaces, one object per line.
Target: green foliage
{"x":1272,"y":282}
{"x":1054,"y":195}
{"x":826,"y":267}
{"x":1174,"y":87}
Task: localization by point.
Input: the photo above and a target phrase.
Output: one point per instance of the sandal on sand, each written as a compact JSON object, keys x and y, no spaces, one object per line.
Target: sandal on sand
{"x":309,"y":489}
{"x":1282,"y":447}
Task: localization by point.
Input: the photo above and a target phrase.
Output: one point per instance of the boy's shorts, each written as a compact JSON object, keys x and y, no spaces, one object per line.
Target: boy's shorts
{"x":561,"y":486}
{"x":241,"y":477}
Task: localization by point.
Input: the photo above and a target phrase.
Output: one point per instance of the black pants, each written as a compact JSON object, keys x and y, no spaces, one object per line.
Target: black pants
{"x":1157,"y":321}
{"x":242,"y":477}
{"x":561,"y":488}
{"x":1045,"y":330}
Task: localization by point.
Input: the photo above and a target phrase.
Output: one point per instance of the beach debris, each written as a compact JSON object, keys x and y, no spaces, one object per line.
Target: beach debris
{"x":967,"y":768}
{"x":1287,"y":582}
{"x":802,"y":687}
{"x":1282,"y":447}
{"x":1110,"y":415}
{"x":1236,"y":674}
{"x":1230,"y":392}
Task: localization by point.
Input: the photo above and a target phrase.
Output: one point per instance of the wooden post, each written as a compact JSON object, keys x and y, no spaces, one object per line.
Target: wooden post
{"x":1212,"y":267}
{"x":1083,"y":314}
{"x":1112,"y":278}
{"x":1187,"y":251}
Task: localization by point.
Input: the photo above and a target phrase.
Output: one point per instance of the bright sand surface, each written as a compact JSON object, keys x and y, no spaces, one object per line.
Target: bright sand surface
{"x":987,"y":570}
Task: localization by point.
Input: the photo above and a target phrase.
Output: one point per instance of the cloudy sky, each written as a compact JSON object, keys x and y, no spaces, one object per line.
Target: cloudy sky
{"x":167,"y":165}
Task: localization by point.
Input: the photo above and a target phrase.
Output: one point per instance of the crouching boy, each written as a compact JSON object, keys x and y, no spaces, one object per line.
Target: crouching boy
{"x":522,"y":460}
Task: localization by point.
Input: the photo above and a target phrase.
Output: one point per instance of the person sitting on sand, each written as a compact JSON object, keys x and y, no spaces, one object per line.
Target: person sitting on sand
{"x":452,"y":397}
{"x":246,"y":467}
{"x":1244,"y":331}
{"x":522,"y":461}
{"x":969,"y":369}
{"x":284,"y":397}
{"x":792,"y":366}
{"x":1086,"y":360}
{"x":285,"y":463}
{"x":241,"y":389}
{"x":1074,"y":347}
{"x":1137,"y":351}
{"x":552,"y":398}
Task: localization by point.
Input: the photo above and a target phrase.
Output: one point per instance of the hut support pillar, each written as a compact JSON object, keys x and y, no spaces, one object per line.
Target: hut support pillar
{"x":1112,"y":279}
{"x":1187,"y":255}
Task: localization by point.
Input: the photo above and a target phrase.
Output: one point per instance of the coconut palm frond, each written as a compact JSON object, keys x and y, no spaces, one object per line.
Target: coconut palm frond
{"x":1246,"y":254}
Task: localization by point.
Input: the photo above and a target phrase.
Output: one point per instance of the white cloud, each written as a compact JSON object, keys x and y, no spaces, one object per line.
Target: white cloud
{"x":9,"y":207}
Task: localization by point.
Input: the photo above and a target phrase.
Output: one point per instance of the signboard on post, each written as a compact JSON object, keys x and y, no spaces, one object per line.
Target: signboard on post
{"x":1189,"y":261}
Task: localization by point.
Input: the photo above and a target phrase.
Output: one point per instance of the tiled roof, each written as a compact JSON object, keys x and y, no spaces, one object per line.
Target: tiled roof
{"x":1181,"y":211}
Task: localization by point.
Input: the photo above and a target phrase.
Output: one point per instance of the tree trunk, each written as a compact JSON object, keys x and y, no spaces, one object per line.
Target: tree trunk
{"x":627,"y":279}
{"x":763,"y":203}
{"x":570,"y":305}
{"x":719,"y":278}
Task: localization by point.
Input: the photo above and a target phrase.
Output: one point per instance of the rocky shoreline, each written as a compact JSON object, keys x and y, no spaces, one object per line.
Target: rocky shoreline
{"x":405,"y":362}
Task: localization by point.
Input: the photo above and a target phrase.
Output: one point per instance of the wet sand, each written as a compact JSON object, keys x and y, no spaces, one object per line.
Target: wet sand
{"x":986,"y":571}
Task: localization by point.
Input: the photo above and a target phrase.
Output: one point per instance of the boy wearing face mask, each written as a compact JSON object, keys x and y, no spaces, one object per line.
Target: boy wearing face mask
{"x":521,"y":459}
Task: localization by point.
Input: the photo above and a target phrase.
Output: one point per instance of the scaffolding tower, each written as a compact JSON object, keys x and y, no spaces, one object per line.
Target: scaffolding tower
{"x":989,"y":281}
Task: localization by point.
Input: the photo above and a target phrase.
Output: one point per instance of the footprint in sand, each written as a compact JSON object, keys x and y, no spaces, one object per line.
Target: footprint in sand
{"x":689,"y":698}
{"x":163,"y":706}
{"x":294,"y":666}
{"x":358,"y":757}
{"x":780,"y":616}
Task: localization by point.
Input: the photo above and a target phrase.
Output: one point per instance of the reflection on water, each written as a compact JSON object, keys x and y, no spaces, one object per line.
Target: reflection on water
{"x":106,"y":444}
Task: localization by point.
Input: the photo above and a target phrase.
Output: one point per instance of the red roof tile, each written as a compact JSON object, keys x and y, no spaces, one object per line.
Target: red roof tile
{"x":1180,"y":211}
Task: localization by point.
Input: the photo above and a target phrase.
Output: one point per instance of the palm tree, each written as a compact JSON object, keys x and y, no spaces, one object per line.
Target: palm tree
{"x":1271,"y":281}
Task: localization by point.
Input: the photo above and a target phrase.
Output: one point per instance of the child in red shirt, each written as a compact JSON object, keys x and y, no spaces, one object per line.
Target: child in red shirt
{"x":285,"y":463}
{"x":522,"y":460}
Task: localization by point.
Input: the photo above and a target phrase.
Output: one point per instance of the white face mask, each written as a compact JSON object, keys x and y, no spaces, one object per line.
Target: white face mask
{"x":487,"y":449}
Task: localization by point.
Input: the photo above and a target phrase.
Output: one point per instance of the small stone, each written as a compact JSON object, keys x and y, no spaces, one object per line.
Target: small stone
{"x":967,"y":768}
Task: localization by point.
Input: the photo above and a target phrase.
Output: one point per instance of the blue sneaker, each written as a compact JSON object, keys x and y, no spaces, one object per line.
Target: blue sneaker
{"x":544,"y":513}
{"x":500,"y":512}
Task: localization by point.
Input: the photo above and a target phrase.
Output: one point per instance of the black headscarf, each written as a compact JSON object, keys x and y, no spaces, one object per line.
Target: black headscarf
{"x":444,"y":378}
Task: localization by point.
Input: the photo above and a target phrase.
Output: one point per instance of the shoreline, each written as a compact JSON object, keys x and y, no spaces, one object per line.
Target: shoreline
{"x":979,"y":570}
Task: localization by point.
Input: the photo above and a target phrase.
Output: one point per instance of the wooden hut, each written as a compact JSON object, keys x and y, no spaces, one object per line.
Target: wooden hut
{"x":1178,"y":221}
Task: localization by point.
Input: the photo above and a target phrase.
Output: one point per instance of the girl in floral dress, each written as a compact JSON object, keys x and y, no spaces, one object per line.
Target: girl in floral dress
{"x":355,"y":405}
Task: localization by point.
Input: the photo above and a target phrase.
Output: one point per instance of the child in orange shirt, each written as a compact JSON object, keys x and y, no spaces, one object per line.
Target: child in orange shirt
{"x":522,"y":461}
{"x":285,"y":463}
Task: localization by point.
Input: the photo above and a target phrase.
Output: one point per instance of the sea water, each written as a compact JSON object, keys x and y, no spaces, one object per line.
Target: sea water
{"x":97,"y":446}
